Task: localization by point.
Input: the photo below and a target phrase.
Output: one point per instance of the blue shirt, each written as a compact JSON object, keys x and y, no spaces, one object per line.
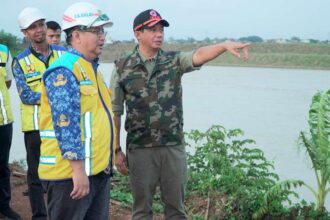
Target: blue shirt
{"x":65,"y":101}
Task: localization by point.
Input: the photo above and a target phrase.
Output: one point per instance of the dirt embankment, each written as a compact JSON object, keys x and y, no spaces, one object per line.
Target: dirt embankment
{"x":21,"y":204}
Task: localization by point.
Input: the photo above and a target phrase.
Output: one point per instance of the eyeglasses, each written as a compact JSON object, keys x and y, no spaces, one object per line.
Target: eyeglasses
{"x":97,"y":31}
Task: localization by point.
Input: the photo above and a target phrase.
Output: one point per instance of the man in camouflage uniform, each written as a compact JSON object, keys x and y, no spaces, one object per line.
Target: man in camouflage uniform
{"x":148,"y":81}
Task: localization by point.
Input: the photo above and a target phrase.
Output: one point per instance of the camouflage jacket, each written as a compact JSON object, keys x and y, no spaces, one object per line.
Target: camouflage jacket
{"x":154,"y":114}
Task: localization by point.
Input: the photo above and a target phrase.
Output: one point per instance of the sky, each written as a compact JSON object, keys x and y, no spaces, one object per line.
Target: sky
{"x":198,"y":19}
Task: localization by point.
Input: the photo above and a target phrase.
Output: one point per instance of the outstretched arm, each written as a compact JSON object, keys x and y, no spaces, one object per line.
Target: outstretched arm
{"x":207,"y":53}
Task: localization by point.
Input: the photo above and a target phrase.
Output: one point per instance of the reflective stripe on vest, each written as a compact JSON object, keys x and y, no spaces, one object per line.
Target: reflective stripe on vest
{"x":59,"y":53}
{"x":6,"y":114}
{"x":3,"y":109}
{"x":47,"y":160}
{"x":87,"y":121}
{"x":47,"y":134}
{"x":27,"y":61}
{"x":35,"y":117}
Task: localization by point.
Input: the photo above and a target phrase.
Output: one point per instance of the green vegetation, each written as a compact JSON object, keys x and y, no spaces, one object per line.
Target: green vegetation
{"x":317,"y":146}
{"x":304,"y":56}
{"x":11,"y":41}
{"x":229,"y":179}
{"x":20,"y":164}
{"x":222,"y":165}
{"x":122,"y":191}
{"x":289,"y":55}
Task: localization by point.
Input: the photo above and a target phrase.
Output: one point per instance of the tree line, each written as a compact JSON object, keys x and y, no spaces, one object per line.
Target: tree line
{"x":16,"y":44}
{"x":11,"y":41}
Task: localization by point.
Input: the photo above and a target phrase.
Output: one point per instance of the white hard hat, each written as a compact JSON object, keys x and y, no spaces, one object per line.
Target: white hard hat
{"x":28,"y":16}
{"x":84,"y":14}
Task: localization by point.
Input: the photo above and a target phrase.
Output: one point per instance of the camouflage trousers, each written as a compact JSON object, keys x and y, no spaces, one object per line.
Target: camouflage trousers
{"x":165,"y":167}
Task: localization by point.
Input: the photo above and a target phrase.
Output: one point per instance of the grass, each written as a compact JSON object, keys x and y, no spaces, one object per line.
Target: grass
{"x":302,"y":56}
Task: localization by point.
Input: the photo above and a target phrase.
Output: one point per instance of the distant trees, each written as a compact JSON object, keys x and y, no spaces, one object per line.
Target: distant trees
{"x":11,"y":41}
{"x":295,"y":39}
{"x":313,"y":41}
{"x":252,"y":39}
{"x":191,"y":40}
{"x":207,"y":40}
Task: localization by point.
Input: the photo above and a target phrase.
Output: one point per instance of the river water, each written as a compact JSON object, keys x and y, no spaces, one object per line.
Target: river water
{"x":270,"y":105}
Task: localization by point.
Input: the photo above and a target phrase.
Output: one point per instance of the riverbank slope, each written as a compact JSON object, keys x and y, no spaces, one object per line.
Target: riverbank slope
{"x":290,"y":55}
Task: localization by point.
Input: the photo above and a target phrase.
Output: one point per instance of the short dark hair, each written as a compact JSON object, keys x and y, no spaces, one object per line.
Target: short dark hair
{"x":68,"y":33}
{"x":53,"y":25}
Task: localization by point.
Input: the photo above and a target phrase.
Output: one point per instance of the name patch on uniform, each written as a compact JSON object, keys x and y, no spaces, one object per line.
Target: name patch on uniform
{"x":32,"y":74}
{"x":85,"y":82}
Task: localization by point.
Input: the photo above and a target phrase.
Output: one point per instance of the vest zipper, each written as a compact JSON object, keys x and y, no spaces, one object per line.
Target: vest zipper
{"x":110,"y":119}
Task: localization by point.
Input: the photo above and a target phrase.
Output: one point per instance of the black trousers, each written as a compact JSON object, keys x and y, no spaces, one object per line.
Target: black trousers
{"x":36,"y":192}
{"x":94,"y":206}
{"x":6,"y":133}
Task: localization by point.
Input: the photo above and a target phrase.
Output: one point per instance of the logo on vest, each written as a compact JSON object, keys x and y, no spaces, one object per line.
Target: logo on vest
{"x":60,"y":80}
{"x":30,"y":68}
{"x":64,"y":121}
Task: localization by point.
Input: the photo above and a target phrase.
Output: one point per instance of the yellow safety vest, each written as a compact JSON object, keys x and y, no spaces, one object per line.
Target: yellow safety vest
{"x":33,"y":68}
{"x":6,"y":114}
{"x":96,"y":123}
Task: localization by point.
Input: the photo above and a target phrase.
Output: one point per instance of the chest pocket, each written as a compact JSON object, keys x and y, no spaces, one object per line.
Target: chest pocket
{"x":33,"y":79}
{"x":88,"y":96}
{"x":135,"y":85}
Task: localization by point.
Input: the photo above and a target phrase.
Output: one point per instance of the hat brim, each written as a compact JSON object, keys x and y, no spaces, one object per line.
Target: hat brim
{"x":162,"y":21}
{"x":31,"y":22}
{"x":103,"y":23}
